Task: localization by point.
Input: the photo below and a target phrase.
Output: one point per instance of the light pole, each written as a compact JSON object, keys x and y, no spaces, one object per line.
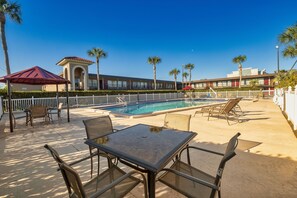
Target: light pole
{"x":277,"y":49}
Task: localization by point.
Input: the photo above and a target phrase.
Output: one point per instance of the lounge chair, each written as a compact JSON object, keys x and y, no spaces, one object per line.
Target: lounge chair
{"x":193,"y":182}
{"x":206,"y":109}
{"x":226,"y":110}
{"x":113,"y":182}
{"x":97,"y":127}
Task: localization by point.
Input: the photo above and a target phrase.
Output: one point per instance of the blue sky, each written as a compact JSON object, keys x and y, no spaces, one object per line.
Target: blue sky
{"x":207,"y":33}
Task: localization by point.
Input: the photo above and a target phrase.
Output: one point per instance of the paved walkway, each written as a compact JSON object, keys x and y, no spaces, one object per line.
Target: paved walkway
{"x":267,"y":170}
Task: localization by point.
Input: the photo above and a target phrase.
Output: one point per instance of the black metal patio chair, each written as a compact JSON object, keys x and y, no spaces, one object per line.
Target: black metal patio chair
{"x":113,"y":182}
{"x":193,"y":182}
{"x":97,"y":127}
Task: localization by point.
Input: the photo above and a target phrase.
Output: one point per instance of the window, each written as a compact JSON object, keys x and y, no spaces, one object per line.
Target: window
{"x":112,"y":84}
{"x":261,"y":81}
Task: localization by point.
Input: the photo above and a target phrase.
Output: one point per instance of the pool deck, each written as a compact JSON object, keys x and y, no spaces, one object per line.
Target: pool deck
{"x":265,"y":165}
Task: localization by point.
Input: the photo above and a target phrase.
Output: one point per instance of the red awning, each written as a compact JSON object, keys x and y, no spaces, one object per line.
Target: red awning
{"x":34,"y":76}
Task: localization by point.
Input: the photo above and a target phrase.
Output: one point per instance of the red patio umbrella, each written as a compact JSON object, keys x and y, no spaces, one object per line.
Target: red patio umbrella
{"x":33,"y":76}
{"x":187,"y":88}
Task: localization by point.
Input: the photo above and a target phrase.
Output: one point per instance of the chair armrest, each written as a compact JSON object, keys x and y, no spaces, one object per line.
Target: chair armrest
{"x":80,"y":160}
{"x":194,"y":179}
{"x":115,"y":182}
{"x":201,"y":149}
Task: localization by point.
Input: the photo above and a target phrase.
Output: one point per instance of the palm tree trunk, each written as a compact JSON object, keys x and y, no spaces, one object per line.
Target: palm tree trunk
{"x":4,"y":44}
{"x":155,"y":81}
{"x":190,"y":71}
{"x":98,"y":77}
{"x":175,"y":83}
{"x":240,"y":74}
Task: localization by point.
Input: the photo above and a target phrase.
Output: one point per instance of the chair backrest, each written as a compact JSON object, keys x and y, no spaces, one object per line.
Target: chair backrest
{"x":60,"y":106}
{"x":38,"y":111}
{"x":73,"y":180}
{"x":54,"y":154}
{"x":229,"y":153}
{"x":57,"y":158}
{"x":97,"y":127}
{"x":229,"y":106}
{"x":177,"y":121}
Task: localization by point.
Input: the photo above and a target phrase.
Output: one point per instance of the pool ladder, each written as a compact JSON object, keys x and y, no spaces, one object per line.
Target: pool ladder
{"x":122,"y":100}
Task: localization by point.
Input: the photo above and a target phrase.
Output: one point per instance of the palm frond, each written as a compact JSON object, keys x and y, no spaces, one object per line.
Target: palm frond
{"x":290,"y":51}
{"x":13,"y":10}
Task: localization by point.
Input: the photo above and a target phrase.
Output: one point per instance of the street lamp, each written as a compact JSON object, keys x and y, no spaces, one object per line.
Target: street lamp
{"x":277,"y":48}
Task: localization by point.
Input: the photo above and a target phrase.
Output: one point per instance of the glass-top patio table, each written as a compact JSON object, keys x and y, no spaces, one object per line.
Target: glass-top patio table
{"x":148,"y":147}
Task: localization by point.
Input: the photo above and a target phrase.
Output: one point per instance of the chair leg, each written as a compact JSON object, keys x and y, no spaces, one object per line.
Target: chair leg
{"x":91,"y":162}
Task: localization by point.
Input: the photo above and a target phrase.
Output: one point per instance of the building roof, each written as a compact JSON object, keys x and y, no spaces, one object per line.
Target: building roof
{"x":66,"y":59}
{"x":125,"y":78}
{"x":34,"y":76}
{"x":233,"y":78}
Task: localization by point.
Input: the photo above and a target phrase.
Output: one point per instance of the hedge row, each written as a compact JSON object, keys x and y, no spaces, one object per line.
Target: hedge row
{"x":45,"y":94}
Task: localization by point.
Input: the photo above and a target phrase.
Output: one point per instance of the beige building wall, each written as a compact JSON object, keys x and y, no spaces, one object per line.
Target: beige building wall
{"x":24,"y":87}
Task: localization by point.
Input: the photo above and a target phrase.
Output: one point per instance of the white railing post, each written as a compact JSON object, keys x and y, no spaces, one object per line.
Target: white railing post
{"x":106,"y":98}
{"x":237,"y":94}
{"x":76,"y":98}
{"x":288,"y":103}
{"x":295,"y":109}
{"x":93,"y":100}
{"x":129,"y":98}
{"x":32,"y":101}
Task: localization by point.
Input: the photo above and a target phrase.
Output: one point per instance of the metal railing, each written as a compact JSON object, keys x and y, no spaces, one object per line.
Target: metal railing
{"x":79,"y":101}
{"x":287,"y":101}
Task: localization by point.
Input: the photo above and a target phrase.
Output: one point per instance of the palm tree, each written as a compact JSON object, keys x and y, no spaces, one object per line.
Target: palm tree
{"x":154,"y":60}
{"x":239,"y":60}
{"x":98,"y":53}
{"x":174,"y":73}
{"x":185,"y":76}
{"x":289,"y":37}
{"x":13,"y":10}
{"x":254,"y":83}
{"x":190,"y":67}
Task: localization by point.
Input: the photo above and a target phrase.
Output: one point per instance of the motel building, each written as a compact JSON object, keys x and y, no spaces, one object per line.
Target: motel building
{"x":76,"y":70}
{"x":265,"y":80}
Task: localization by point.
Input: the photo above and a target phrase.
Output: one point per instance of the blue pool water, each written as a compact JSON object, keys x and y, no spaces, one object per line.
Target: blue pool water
{"x":145,"y":108}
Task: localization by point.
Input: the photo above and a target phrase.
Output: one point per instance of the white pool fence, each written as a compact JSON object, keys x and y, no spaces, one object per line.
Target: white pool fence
{"x":287,"y":101}
{"x":79,"y":101}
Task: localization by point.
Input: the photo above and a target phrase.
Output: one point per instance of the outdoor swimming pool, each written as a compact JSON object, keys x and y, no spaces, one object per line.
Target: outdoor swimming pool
{"x":151,"y":107}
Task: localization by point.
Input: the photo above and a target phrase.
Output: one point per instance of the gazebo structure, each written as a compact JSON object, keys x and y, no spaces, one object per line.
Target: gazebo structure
{"x":33,"y":76}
